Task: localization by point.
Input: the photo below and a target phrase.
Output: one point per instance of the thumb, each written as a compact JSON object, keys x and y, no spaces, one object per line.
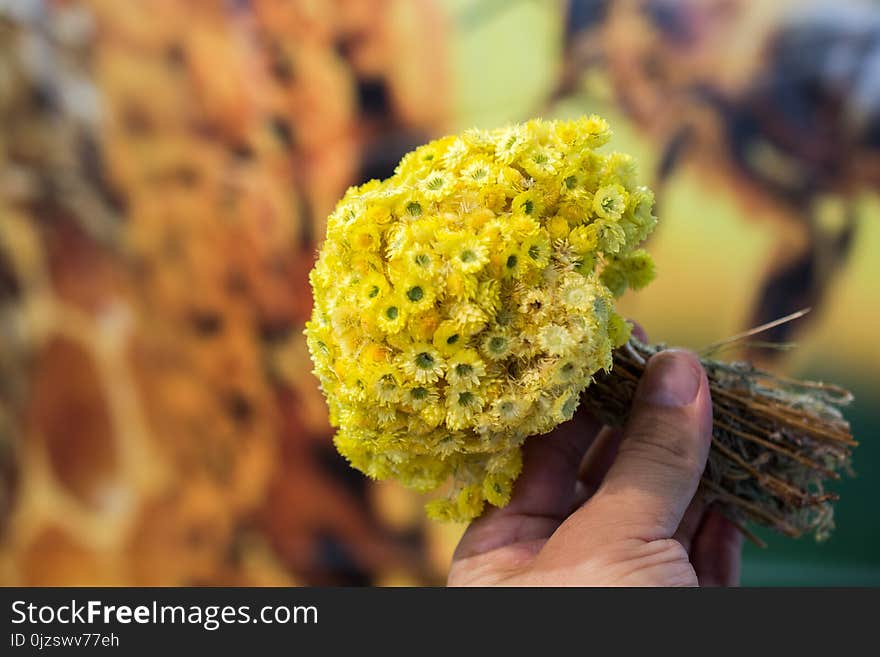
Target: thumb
{"x":663,"y":451}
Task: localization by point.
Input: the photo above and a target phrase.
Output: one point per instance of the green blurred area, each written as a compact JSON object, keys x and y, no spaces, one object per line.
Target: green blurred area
{"x":710,"y":260}
{"x":851,"y":557}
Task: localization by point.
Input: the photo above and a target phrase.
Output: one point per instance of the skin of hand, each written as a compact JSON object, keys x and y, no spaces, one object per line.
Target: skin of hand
{"x":601,"y":507}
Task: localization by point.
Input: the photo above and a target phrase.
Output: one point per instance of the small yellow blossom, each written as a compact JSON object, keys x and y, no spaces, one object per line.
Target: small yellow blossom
{"x":477,"y":171}
{"x":455,"y":155}
{"x":421,"y":363}
{"x":391,"y":316}
{"x":529,"y":203}
{"x":584,"y":239}
{"x":511,"y":142}
{"x":576,"y":292}
{"x":418,"y":293}
{"x":462,"y":405}
{"x":469,"y":317}
{"x":373,"y":289}
{"x":465,"y":251}
{"x":496,"y":345}
{"x":536,"y":249}
{"x":466,"y":368}
{"x":436,"y":185}
{"x":555,"y":339}
{"x":512,"y":261}
{"x":509,"y":410}
{"x":609,"y":202}
{"x":633,"y":270}
{"x":419,"y":397}
{"x":557,"y":227}
{"x":541,"y":162}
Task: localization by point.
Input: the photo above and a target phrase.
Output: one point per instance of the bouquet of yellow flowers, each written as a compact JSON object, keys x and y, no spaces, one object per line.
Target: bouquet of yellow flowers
{"x":465,"y":304}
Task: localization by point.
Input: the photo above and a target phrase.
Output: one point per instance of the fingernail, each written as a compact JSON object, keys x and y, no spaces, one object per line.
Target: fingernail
{"x":671,"y":379}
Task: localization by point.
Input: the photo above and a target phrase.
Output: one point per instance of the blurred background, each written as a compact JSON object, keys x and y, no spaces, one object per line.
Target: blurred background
{"x":165,"y":171}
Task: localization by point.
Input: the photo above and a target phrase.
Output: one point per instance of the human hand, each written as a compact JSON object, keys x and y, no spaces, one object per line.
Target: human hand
{"x":625,"y":514}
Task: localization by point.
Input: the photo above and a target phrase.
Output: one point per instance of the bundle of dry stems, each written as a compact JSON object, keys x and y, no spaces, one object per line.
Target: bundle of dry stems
{"x":775,"y":440}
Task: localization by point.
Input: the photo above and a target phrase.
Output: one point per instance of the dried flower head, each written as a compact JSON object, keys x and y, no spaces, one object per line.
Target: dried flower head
{"x":464,"y":304}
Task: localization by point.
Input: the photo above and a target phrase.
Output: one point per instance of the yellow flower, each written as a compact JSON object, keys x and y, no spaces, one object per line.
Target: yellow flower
{"x":633,"y":270}
{"x":488,"y":296}
{"x":461,"y":286}
{"x":620,"y":168}
{"x":565,"y":371}
{"x":510,"y":143}
{"x":478,"y":140}
{"x":493,"y":196}
{"x":509,"y":410}
{"x":386,"y":386}
{"x":586,"y":264}
{"x":564,"y":407}
{"x":520,"y":226}
{"x":375,"y":352}
{"x":609,"y":202}
{"x":433,"y":415}
{"x":423,"y":259}
{"x":536,"y":249}
{"x":555,"y":339}
{"x":410,"y":208}
{"x":573,"y":181}
{"x":465,"y":369}
{"x":639,"y":268}
{"x":462,"y":406}
{"x":470,"y":501}
{"x":575,"y":292}
{"x":469,"y":317}
{"x":377,"y":215}
{"x":421,"y":363}
{"x":448,"y":338}
{"x":478,"y":171}
{"x":456,"y":153}
{"x":513,"y":261}
{"x":465,"y":251}
{"x":444,"y":510}
{"x":529,"y":203}
{"x":363,"y":236}
{"x":419,"y":397}
{"x":612,"y":237}
{"x":595,"y":130}
{"x":418,"y":293}
{"x":496,"y":345}
{"x":534,"y":302}
{"x":497,"y":489}
{"x":639,"y":220}
{"x":557,"y":227}
{"x":446,"y":443}
{"x":584,"y":239}
{"x":391,"y":316}
{"x":421,"y":327}
{"x":437,"y":185}
{"x":463,"y":304}
{"x":503,"y":470}
{"x":512,"y":181}
{"x":541,"y":162}
{"x":373,"y":289}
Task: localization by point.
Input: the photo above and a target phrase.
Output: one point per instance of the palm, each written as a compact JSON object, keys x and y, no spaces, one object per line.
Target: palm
{"x":592,"y":508}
